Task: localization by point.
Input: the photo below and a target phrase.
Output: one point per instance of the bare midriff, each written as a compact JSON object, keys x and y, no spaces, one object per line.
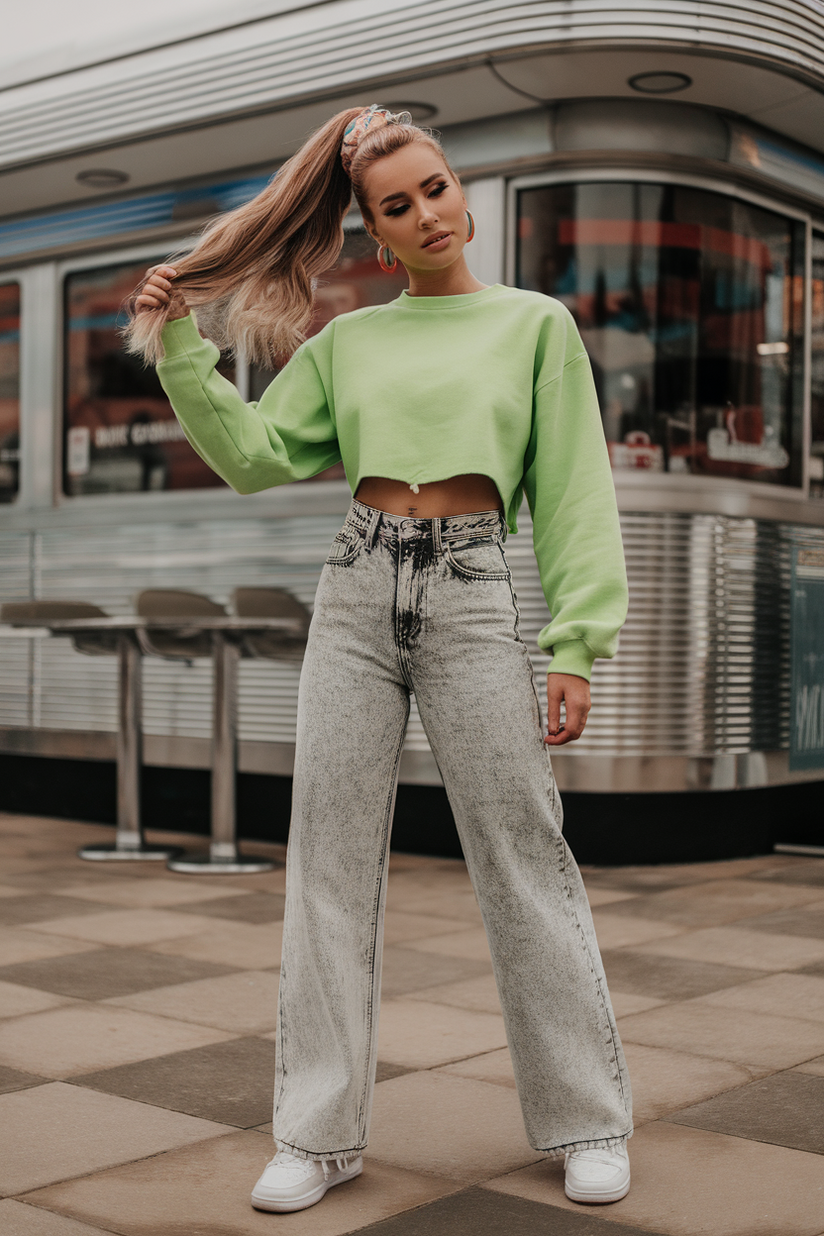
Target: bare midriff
{"x":459,"y":495}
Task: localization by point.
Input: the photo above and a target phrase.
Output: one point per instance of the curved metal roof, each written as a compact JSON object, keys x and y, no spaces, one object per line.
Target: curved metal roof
{"x":330,"y":50}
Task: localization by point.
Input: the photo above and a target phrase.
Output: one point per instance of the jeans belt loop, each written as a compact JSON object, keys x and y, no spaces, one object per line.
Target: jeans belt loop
{"x":437,"y":525}
{"x":370,"y":532}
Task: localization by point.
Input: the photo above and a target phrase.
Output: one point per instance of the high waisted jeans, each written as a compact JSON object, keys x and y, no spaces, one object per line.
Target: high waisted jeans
{"x":426,"y":606}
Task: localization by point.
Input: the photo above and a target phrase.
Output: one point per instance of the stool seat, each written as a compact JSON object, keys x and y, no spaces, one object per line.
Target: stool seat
{"x":90,"y":643}
{"x":273,"y":603}
{"x":160,"y":603}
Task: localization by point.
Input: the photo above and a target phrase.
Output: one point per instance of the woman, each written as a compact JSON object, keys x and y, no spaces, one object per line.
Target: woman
{"x":445,"y":406}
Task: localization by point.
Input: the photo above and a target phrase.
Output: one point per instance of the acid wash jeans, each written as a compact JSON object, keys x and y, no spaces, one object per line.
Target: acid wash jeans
{"x":426,"y":606}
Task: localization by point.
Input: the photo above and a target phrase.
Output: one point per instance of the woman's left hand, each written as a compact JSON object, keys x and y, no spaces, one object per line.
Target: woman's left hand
{"x":574,"y":693}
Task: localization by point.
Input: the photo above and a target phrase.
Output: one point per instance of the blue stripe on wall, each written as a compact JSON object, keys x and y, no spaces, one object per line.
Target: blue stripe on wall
{"x":64,"y":227}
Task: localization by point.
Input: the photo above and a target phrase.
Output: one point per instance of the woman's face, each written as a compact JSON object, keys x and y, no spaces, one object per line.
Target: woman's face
{"x":418,"y":208}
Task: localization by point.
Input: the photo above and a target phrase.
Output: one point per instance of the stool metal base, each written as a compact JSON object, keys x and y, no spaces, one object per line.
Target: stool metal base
{"x":207,"y":864}
{"x":115,"y":853}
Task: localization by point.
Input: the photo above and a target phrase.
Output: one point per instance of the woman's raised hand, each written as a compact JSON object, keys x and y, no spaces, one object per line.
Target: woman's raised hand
{"x":156,"y":292}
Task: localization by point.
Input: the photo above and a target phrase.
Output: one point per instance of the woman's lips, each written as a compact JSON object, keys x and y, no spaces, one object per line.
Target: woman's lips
{"x":438,"y":241}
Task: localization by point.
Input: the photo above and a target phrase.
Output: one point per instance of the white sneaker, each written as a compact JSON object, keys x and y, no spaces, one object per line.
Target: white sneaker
{"x":599,"y":1175}
{"x":289,"y":1183}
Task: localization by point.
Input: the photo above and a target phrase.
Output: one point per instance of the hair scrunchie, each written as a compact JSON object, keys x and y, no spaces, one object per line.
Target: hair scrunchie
{"x":374,"y":117}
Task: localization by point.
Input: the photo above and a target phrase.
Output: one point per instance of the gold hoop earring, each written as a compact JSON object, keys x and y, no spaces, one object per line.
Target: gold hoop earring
{"x":388,"y":263}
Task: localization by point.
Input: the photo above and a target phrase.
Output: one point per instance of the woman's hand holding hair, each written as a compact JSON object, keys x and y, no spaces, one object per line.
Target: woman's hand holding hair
{"x":572,"y":691}
{"x":156,"y":292}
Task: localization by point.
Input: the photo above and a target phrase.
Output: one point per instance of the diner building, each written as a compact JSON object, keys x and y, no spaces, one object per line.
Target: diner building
{"x":658,"y":168}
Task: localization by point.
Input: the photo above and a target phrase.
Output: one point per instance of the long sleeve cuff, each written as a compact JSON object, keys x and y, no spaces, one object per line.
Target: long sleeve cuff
{"x":180,"y":336}
{"x":574,"y":656}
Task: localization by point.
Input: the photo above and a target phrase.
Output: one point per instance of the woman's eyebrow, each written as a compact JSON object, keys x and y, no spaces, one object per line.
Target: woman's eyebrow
{"x":394,"y":196}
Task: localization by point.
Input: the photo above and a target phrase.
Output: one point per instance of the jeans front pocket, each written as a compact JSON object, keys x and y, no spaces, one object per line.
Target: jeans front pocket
{"x":346,"y":546}
{"x":476,"y":558}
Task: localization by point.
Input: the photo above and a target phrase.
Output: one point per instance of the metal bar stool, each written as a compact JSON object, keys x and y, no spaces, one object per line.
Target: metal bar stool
{"x":225,"y":650}
{"x":129,"y":842}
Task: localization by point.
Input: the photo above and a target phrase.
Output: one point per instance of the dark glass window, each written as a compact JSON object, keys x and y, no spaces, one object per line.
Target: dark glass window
{"x":9,"y":390}
{"x":121,"y":435}
{"x":690,"y":305}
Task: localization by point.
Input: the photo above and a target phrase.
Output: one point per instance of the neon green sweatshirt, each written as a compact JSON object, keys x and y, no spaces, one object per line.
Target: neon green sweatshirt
{"x":496,"y":382}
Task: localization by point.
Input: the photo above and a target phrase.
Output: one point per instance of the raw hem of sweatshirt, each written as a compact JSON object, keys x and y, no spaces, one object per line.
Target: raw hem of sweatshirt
{"x":427,"y":480}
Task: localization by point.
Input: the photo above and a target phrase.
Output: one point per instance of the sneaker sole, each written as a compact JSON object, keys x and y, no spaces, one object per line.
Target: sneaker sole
{"x":598,"y":1199}
{"x":307,"y":1199}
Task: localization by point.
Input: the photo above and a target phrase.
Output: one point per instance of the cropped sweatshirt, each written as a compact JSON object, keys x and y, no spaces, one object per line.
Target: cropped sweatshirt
{"x":495,"y":382}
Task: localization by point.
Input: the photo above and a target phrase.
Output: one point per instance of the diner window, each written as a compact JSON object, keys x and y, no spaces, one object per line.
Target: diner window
{"x":690,"y":305}
{"x":9,"y":390}
{"x":817,"y":371}
{"x":121,"y":435}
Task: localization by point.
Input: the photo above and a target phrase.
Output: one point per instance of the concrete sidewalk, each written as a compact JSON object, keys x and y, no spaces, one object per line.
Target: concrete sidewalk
{"x":136,"y":1055}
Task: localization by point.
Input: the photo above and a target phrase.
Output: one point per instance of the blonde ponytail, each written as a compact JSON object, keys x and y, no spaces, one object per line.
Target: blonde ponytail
{"x":253,"y":268}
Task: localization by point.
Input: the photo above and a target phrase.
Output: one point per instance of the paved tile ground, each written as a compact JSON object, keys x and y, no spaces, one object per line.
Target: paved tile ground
{"x":136,"y":1053}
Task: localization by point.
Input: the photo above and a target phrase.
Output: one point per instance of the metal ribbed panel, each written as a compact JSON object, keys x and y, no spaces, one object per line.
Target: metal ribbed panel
{"x":703,"y":666}
{"x":331,"y":49}
{"x":109,"y":566}
{"x":15,"y":653}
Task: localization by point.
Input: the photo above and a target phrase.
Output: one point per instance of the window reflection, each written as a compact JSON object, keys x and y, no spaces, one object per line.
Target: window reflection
{"x":121,"y":432}
{"x":9,"y":390}
{"x":690,"y":306}
{"x":121,"y":435}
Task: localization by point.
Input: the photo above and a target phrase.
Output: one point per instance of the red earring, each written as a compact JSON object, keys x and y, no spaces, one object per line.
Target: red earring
{"x":390,"y":265}
{"x":471,"y":225}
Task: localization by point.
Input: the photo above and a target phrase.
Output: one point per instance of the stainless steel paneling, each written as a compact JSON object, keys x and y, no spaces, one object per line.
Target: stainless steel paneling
{"x":161,"y":751}
{"x":334,"y":47}
{"x":110,"y":565}
{"x":697,"y":694}
{"x":15,"y":557}
{"x":703,"y":666}
{"x":16,"y":654}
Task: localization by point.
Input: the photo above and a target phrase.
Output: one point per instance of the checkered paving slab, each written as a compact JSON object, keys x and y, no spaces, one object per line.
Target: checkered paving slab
{"x":137,"y":1014}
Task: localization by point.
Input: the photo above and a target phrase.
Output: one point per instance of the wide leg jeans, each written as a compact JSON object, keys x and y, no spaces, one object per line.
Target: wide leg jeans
{"x":427,"y":606}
